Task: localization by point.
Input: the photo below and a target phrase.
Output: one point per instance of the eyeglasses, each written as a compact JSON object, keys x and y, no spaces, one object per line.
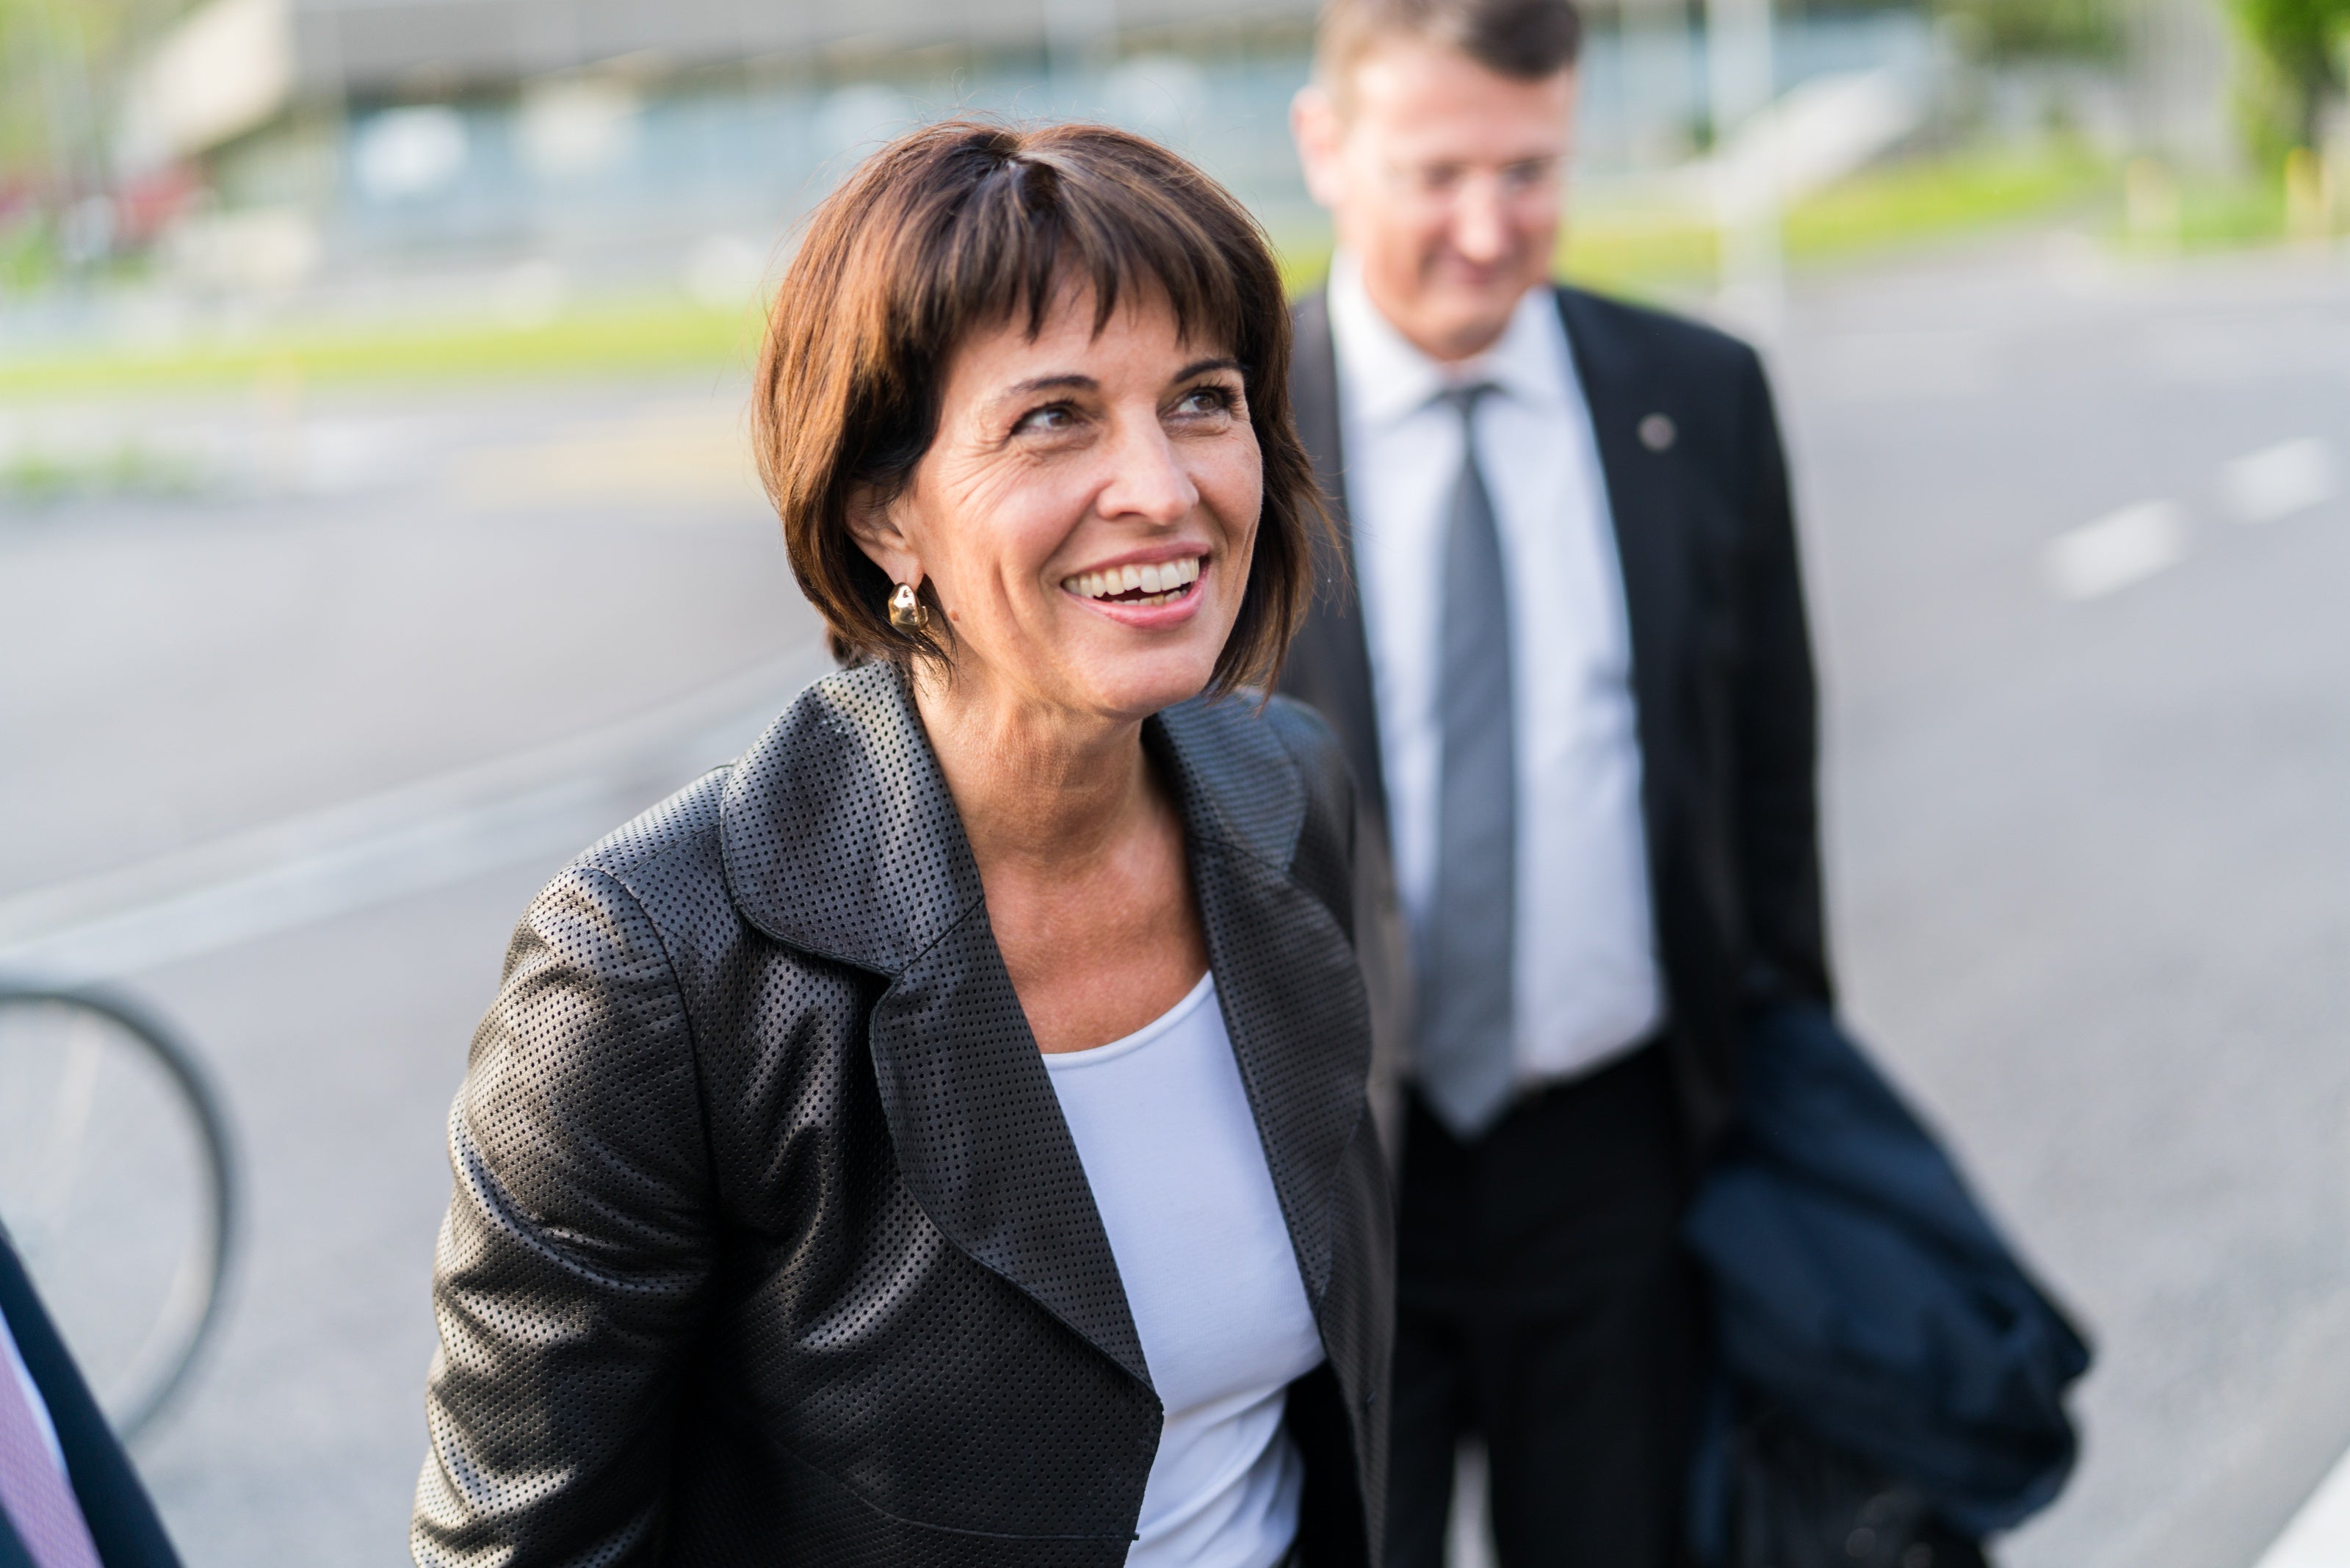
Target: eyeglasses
{"x":1443,"y":184}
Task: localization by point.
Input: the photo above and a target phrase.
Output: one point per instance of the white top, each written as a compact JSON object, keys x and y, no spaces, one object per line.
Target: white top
{"x":1171,"y":1151}
{"x":40,"y":1406}
{"x":1586,"y":980}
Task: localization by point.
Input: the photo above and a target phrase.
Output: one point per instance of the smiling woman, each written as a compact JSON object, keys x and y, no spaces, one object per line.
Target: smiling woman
{"x":942,"y":1136}
{"x":976,"y":236}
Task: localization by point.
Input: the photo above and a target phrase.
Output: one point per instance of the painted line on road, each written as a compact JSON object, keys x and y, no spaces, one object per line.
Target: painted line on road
{"x":2319,"y":1536}
{"x":534,"y":805}
{"x":2278,"y":481}
{"x":2119,"y":549}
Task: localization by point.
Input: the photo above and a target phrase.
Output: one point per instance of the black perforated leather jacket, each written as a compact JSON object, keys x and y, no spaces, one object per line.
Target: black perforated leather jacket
{"x":769,"y":1244}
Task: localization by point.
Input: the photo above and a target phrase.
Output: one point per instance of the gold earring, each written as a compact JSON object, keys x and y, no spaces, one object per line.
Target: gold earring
{"x":906,"y":613}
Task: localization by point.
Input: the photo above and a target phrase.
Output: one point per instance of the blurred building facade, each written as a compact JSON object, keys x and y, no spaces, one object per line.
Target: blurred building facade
{"x":630,"y":139}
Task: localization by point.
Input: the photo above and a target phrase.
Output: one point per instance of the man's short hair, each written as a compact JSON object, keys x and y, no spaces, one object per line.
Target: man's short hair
{"x":1527,"y":39}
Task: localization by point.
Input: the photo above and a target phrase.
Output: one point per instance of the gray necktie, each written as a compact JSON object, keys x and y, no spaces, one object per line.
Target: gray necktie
{"x":1465,"y":1062}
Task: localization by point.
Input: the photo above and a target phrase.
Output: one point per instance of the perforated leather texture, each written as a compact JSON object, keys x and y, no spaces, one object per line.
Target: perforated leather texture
{"x":769,"y":1244}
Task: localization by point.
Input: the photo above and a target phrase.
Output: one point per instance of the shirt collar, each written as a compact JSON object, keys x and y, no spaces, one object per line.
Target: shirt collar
{"x":1386,"y":378}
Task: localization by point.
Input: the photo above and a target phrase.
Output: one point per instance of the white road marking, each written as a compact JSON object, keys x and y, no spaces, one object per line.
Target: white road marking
{"x":2117,"y":550}
{"x":535,"y":806}
{"x":2279,"y":481}
{"x":2319,"y":1536}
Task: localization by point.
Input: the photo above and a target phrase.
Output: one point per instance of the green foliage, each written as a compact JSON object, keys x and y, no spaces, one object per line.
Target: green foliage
{"x":28,"y":253}
{"x":62,"y":67}
{"x":35,"y":477}
{"x":2296,"y":69}
{"x":2009,"y":30}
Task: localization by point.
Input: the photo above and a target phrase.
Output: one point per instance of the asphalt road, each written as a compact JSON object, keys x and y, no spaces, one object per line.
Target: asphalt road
{"x":2088,"y":815}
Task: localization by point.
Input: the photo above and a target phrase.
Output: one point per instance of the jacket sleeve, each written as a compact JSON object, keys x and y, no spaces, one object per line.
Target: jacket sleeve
{"x":572,"y":1265}
{"x":1776,"y":717}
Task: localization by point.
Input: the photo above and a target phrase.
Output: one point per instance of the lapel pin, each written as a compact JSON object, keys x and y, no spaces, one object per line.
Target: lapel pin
{"x":1656,"y":433}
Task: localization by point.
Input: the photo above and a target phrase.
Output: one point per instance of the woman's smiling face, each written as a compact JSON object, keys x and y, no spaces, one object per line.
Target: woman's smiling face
{"x":1087,"y":511}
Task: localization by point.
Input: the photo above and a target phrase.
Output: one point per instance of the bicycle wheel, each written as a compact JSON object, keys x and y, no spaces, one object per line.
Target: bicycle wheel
{"x":118,"y":1187}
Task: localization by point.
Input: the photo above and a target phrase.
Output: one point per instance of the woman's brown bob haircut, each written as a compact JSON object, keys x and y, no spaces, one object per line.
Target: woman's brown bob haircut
{"x":964,"y":226}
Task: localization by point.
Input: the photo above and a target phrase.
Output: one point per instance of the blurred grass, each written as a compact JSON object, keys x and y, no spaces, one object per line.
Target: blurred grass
{"x":1611,"y":244}
{"x":602,"y":338}
{"x":1615,"y":244}
{"x":1888,"y":209}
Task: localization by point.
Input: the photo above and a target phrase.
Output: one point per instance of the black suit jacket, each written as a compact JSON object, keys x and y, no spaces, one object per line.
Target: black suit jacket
{"x":769,"y":1241}
{"x":122,"y":1521}
{"x":1721,"y":664}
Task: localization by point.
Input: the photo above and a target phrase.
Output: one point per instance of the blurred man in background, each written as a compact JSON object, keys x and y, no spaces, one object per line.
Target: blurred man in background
{"x":69,"y":1497}
{"x":1569,"y":662}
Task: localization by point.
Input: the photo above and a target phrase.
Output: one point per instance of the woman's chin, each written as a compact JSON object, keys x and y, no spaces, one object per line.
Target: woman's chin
{"x":1135,"y":684}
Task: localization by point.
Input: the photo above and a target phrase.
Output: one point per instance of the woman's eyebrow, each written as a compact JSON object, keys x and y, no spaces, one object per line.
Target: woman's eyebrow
{"x":1069,"y":382}
{"x":1201,"y":367}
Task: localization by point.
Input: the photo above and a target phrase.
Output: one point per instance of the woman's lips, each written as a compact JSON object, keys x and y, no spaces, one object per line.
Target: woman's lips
{"x":1163,"y":593}
{"x":1157,"y":582}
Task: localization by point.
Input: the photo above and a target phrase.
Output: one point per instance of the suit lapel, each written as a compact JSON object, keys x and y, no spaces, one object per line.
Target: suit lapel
{"x":1646,"y":499}
{"x":12,"y":1553}
{"x":1329,"y":665}
{"x":122,"y":1522}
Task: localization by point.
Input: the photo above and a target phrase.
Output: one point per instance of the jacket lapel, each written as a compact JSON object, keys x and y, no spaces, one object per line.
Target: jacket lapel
{"x":1646,"y":497}
{"x":1293,"y":998}
{"x":1329,"y":665}
{"x":839,"y":838}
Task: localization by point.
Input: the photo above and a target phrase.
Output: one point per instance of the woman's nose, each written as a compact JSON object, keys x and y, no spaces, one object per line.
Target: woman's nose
{"x":1148,"y":481}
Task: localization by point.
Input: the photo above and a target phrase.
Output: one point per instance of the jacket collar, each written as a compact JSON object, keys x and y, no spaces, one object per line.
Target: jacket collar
{"x":839,"y":837}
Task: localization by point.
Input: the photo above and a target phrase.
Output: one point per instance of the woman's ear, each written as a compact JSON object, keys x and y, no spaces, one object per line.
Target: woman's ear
{"x":873,"y":524}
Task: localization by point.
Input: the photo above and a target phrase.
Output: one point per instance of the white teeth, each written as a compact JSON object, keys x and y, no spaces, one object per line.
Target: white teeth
{"x":1157,"y":582}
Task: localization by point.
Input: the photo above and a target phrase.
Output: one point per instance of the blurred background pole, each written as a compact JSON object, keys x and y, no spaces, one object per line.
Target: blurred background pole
{"x":1739,"y":82}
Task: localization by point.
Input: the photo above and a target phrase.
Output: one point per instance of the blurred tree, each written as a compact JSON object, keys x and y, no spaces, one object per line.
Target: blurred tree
{"x":2003,"y":31}
{"x":2298,"y":70}
{"x":61,"y":66}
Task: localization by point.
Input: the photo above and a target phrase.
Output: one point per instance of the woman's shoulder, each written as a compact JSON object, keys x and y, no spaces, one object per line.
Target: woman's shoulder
{"x":667,"y":858}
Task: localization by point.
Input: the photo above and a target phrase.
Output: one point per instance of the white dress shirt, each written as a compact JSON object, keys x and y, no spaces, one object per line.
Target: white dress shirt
{"x":1587,"y":985}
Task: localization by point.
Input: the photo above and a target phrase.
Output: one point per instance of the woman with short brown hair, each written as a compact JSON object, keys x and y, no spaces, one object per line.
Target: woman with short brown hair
{"x":941,"y":1137}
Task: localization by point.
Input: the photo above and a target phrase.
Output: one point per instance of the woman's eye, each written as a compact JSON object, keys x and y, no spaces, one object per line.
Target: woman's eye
{"x":1051,"y":419}
{"x":1206,"y":401}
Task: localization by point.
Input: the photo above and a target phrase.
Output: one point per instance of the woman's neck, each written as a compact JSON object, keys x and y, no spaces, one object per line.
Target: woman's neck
{"x":1038,"y":789}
